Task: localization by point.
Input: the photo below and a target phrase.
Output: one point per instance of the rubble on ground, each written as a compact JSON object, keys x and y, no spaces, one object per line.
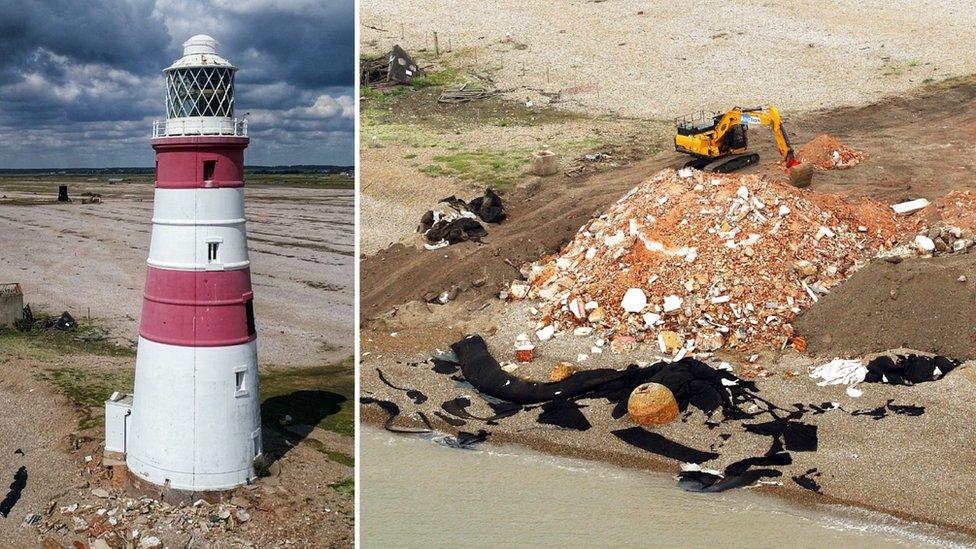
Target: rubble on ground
{"x":695,"y":261}
{"x":396,"y":67}
{"x":826,"y":153}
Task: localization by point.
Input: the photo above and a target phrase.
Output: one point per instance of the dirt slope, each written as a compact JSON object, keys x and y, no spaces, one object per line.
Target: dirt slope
{"x":911,"y":153}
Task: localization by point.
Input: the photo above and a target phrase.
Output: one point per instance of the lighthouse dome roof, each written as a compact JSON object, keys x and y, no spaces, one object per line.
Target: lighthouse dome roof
{"x":200,"y":50}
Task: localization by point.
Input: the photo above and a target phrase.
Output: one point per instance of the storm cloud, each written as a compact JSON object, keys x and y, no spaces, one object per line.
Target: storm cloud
{"x":81,"y":82}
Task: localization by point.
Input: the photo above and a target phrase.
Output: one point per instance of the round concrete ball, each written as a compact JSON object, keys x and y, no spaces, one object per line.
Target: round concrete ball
{"x":652,"y":404}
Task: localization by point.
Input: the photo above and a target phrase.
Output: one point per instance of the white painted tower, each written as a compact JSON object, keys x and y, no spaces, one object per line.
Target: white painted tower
{"x":195,"y":421}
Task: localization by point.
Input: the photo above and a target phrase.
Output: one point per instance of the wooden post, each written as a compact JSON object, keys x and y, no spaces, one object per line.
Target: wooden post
{"x":437,"y":49}
{"x":401,"y":31}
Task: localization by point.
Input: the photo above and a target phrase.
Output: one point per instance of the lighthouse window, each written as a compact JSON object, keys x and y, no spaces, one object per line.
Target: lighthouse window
{"x":208,"y":169}
{"x":212,"y":251}
{"x":249,"y":310}
{"x":239,"y":380}
{"x":200,"y":91}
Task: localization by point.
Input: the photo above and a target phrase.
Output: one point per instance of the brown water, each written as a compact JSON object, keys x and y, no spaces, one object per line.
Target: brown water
{"x":416,"y":493}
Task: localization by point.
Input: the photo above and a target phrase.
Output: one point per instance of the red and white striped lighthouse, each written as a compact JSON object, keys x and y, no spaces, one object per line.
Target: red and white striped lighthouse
{"x":195,"y":423}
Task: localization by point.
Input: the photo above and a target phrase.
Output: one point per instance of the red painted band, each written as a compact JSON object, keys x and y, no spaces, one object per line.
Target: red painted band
{"x":199,"y":162}
{"x":197,"y":308}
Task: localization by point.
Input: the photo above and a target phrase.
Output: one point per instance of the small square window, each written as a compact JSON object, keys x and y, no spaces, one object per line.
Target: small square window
{"x":240,"y":381}
{"x":212,"y":251}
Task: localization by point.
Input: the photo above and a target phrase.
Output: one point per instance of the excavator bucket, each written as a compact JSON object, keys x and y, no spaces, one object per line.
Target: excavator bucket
{"x":801,"y":175}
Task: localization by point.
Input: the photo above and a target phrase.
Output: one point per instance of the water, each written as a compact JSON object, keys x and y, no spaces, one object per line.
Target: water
{"x":415,"y":493}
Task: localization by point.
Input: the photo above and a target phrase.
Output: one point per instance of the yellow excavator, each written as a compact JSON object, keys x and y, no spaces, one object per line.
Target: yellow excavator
{"x":719,"y":142}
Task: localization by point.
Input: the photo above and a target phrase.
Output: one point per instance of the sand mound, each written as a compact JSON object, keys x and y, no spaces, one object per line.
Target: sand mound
{"x":707,"y":261}
{"x":826,"y":153}
{"x":918,"y":304}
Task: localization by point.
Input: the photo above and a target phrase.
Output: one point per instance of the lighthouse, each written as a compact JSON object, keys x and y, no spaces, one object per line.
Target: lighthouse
{"x":193,"y":424}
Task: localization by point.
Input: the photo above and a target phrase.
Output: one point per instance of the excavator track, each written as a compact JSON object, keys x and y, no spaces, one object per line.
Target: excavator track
{"x":726,"y":164}
{"x":734,"y":163}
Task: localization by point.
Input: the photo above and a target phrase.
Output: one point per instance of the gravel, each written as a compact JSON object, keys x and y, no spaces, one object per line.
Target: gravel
{"x":662,"y":60}
{"x":80,"y":257}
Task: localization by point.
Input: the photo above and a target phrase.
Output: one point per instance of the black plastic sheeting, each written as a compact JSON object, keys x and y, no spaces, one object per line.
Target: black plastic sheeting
{"x":13,"y":496}
{"x":908,"y":369}
{"x":416,"y":396}
{"x":488,"y":208}
{"x":692,"y":382}
{"x":657,"y":444}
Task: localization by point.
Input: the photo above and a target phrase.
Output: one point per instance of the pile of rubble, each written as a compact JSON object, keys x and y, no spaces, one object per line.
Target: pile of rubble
{"x":105,"y":516}
{"x":826,"y":153}
{"x":137,"y":522}
{"x":702,"y":261}
{"x":937,"y":240}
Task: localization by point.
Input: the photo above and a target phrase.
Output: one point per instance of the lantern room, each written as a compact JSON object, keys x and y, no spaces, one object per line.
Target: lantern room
{"x":200,"y":93}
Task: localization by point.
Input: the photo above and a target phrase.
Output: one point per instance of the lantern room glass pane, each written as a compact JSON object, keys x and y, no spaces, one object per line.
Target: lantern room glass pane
{"x":200,"y":91}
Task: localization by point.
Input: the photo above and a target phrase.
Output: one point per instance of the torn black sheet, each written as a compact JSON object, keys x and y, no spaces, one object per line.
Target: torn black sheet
{"x":797,"y":436}
{"x":565,"y":414}
{"x":13,"y":496}
{"x":456,"y":230}
{"x":488,"y":207}
{"x":807,"y":480}
{"x":458,"y":407}
{"x":908,"y":369}
{"x":392,"y":411}
{"x":416,"y":396}
{"x":882,"y":411}
{"x":692,"y":382}
{"x":657,"y":444}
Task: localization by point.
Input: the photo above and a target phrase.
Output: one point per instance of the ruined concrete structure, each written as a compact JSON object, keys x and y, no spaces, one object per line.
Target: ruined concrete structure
{"x":194,"y":423}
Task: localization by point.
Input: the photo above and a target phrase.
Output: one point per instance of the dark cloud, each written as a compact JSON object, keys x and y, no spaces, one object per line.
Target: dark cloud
{"x":81,"y":82}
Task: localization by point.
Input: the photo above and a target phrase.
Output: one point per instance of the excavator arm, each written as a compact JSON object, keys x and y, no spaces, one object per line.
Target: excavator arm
{"x":771,"y":118}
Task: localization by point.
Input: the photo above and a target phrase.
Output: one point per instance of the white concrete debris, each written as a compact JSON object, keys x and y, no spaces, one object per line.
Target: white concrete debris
{"x":546,"y":333}
{"x":672,"y":303}
{"x":909,"y":206}
{"x":924,"y":243}
{"x":634,"y":300}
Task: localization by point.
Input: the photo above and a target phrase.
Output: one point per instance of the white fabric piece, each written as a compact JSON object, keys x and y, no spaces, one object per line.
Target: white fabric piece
{"x":840,"y":372}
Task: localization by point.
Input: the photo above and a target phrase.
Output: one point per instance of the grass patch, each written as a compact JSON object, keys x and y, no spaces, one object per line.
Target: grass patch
{"x":345,"y":487}
{"x":337,"y":457}
{"x":321,"y":396}
{"x":302,"y":181}
{"x":89,"y":390}
{"x":47,"y":343}
{"x":495,"y":168}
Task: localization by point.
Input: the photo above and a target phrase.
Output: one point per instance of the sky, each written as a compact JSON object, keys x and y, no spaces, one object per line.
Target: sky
{"x":82,"y":82}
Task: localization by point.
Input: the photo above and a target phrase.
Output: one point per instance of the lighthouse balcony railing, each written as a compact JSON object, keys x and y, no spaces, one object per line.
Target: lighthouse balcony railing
{"x":200,"y":126}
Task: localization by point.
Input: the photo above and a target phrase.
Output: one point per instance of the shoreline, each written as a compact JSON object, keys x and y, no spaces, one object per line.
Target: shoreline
{"x":804,"y":499}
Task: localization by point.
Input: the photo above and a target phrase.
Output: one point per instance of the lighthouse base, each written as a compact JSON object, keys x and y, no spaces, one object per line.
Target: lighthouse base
{"x":196,"y":420}
{"x":142,"y":488}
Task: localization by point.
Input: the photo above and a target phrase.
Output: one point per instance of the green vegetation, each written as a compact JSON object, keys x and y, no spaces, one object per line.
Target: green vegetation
{"x":47,"y":343}
{"x":301,"y":181}
{"x":345,"y":487}
{"x":338,"y":457}
{"x":89,"y":390}
{"x":495,"y":168}
{"x":321,"y":396}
